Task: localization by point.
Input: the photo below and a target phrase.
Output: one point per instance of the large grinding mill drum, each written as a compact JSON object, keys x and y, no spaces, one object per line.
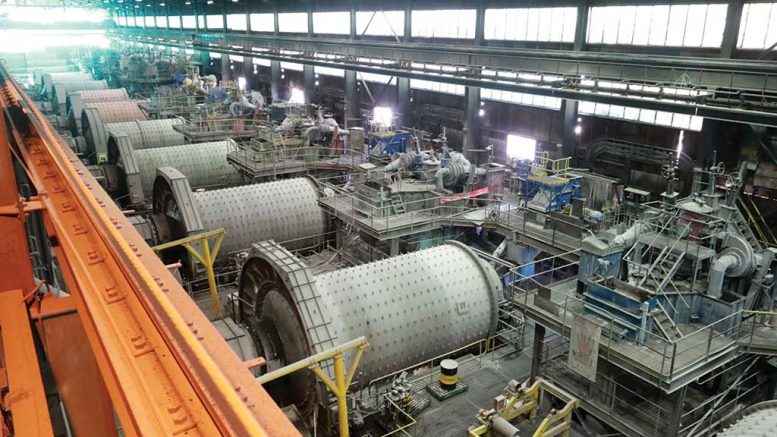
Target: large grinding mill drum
{"x":95,"y":119}
{"x":147,"y":134}
{"x":131,"y":172}
{"x":60,"y":90}
{"x":285,"y":210}
{"x":74,"y":104}
{"x":48,"y":79}
{"x":411,"y":308}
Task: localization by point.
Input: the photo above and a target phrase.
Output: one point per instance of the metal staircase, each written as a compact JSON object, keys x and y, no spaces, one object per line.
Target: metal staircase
{"x":746,"y":226}
{"x":397,"y":204}
{"x":664,"y":324}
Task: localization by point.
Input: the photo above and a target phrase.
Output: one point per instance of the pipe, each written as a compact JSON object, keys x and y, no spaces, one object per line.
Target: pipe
{"x":628,"y":237}
{"x":727,"y":261}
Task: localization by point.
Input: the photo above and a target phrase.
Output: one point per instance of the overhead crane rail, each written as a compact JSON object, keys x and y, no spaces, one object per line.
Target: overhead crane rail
{"x":166,"y":369}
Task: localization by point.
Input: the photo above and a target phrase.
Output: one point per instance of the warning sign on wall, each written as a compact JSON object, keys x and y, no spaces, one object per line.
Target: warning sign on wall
{"x":584,"y":347}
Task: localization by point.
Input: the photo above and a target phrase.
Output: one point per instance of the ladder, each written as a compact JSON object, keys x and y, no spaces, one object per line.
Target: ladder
{"x":397,"y":204}
{"x":664,"y":324}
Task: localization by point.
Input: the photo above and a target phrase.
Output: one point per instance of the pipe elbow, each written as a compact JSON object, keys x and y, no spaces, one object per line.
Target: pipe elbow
{"x":725,"y":263}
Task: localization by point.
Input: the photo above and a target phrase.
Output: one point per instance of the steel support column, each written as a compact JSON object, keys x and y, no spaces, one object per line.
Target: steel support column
{"x":309,"y":76}
{"x":351,"y":96}
{"x":581,"y":28}
{"x":472,"y":121}
{"x":403,"y":100}
{"x":538,"y":347}
{"x":408,"y":32}
{"x":275,"y":80}
{"x":310,"y":18}
{"x":226,"y":72}
{"x":676,"y":411}
{"x":14,"y":249}
{"x":352,"y":18}
{"x":710,"y":132}
{"x":248,"y":72}
{"x":731,"y":30}
{"x":85,"y":397}
{"x":480,"y":24}
{"x":23,"y":394}
{"x":568,"y":135}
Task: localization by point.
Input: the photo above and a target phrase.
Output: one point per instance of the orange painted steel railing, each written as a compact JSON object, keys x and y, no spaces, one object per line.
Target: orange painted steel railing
{"x":165,"y":367}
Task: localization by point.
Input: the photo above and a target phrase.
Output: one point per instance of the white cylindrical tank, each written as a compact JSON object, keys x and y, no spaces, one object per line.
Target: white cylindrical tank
{"x":411,"y":308}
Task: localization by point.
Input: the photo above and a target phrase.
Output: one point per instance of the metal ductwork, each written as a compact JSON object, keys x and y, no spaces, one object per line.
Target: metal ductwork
{"x":48,"y":79}
{"x":285,"y":210}
{"x":60,"y":90}
{"x":737,"y":259}
{"x":131,"y":172}
{"x":411,"y":308}
{"x":74,"y":104}
{"x":95,"y":119}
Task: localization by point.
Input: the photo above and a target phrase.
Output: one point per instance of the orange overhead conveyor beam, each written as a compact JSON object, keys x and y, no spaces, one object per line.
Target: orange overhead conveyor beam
{"x":166,"y":368}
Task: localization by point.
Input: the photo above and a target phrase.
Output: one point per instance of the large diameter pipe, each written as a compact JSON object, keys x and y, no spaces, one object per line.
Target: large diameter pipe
{"x":60,"y":90}
{"x":411,"y":308}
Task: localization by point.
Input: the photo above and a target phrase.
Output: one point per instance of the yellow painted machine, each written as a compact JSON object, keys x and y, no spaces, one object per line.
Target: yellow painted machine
{"x":518,"y":402}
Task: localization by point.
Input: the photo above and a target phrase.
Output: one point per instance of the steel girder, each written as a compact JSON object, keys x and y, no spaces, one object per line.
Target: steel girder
{"x":739,"y":90}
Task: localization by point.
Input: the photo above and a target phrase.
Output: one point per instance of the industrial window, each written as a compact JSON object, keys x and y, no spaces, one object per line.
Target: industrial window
{"x":149,"y":21}
{"x":292,"y":66}
{"x":329,"y":71}
{"x":215,"y":21}
{"x":174,"y":21}
{"x":189,"y":22}
{"x":697,"y":25}
{"x":638,"y":115}
{"x":214,"y":55}
{"x":262,"y":22}
{"x":237,"y":22}
{"x":375,"y":77}
{"x":758,"y":28}
{"x":522,"y":148}
{"x":452,"y":23}
{"x":161,"y":22}
{"x":380,"y":23}
{"x":121,"y":21}
{"x":46,"y":15}
{"x":439,"y":87}
{"x":201,"y":21}
{"x":294,"y":22}
{"x":236,"y":58}
{"x":335,"y":23}
{"x":262,"y":62}
{"x":131,"y":21}
{"x":546,"y":102}
{"x":531,"y":24}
